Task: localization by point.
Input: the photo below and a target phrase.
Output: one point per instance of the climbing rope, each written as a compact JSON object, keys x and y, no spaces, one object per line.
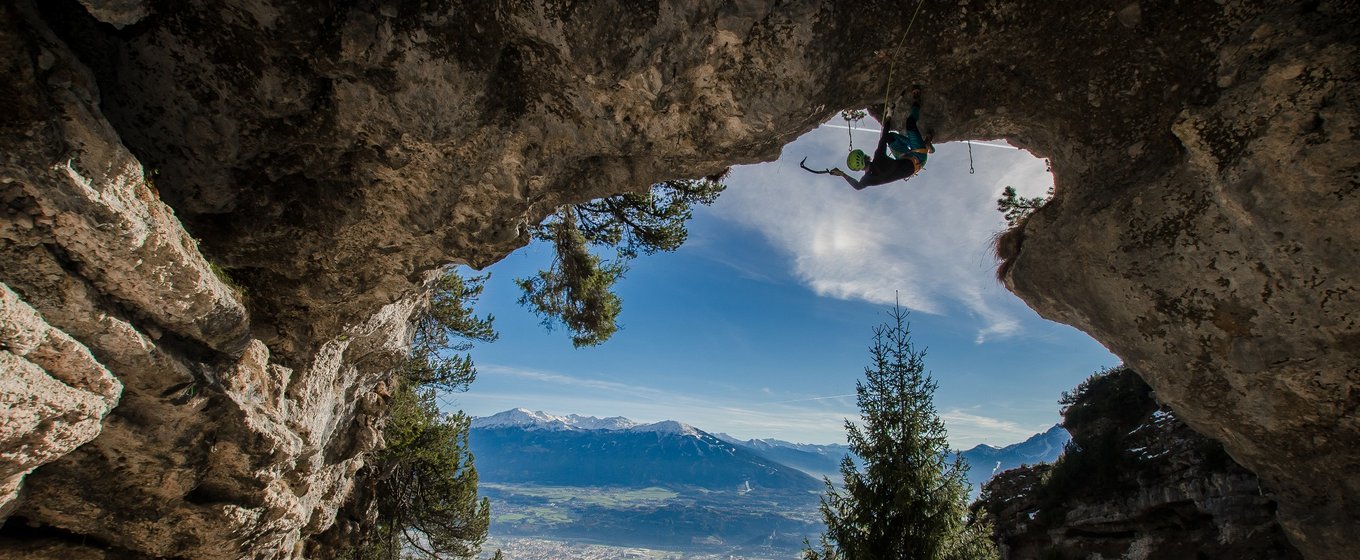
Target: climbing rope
{"x":887,"y":113}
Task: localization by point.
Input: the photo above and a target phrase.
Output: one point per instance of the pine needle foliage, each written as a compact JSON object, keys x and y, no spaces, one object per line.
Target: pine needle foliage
{"x":1017,"y":208}
{"x":910,"y":499}
{"x":426,"y":483}
{"x":445,"y":327}
{"x":428,"y":487}
{"x":644,"y":223}
{"x":577,"y":290}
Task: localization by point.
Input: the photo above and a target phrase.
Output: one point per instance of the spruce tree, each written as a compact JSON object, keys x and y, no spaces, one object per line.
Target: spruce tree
{"x":910,"y":499}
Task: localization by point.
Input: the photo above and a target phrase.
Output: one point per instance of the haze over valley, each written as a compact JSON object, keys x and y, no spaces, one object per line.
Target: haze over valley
{"x":559,"y":483}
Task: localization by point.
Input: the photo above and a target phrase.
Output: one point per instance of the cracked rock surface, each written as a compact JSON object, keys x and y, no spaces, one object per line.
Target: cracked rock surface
{"x":232,"y":207}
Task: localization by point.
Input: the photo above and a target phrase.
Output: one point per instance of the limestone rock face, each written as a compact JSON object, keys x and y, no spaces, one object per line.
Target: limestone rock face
{"x":326,"y":157}
{"x":213,"y":451}
{"x":1225,"y":271}
{"x":118,"y":13}
{"x":54,"y":393}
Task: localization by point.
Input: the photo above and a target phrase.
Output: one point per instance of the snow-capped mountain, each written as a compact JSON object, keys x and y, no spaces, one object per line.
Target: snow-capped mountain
{"x":986,"y":461}
{"x":814,"y":459}
{"x":593,"y":423}
{"x":539,"y":420}
{"x":669,"y":427}
{"x":522,"y":446}
{"x":527,"y":419}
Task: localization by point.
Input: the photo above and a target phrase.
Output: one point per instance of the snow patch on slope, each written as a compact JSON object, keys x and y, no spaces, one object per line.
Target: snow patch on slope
{"x":539,"y":420}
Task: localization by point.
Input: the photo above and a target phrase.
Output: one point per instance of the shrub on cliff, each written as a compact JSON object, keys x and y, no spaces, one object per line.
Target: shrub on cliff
{"x":577,"y":290}
{"x":427,"y":499}
{"x":426,"y":484}
{"x":1099,"y":413}
{"x":445,"y":327}
{"x":1108,"y":403}
{"x":1016,"y":208}
{"x":910,"y":501}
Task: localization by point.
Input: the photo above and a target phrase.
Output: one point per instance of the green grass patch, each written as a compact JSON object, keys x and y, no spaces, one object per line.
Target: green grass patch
{"x":221,"y":274}
{"x":547,"y":515}
{"x":614,"y":498}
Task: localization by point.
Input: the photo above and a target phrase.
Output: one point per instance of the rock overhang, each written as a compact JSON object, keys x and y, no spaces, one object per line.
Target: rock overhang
{"x":328,"y":157}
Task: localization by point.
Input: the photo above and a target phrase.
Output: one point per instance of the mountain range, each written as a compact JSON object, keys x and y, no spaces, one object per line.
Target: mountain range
{"x":986,"y":461}
{"x":522,"y":446}
{"x":821,"y":461}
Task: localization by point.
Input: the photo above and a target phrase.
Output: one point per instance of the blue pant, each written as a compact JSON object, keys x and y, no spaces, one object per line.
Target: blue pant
{"x":902,"y":144}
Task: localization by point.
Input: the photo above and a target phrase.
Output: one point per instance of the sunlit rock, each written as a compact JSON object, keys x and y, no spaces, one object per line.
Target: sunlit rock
{"x":325,"y":158}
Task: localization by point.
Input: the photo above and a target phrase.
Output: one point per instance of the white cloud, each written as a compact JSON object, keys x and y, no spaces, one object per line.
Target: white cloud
{"x":541,"y":377}
{"x":810,"y":419}
{"x":967,"y":429}
{"x":926,"y":241}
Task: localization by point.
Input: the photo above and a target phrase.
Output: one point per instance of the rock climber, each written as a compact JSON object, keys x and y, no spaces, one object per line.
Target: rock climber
{"x":910,"y":150}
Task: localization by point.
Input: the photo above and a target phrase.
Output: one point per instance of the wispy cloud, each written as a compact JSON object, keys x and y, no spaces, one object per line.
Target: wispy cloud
{"x":810,"y":419}
{"x":925,"y":241}
{"x":967,"y":429}
{"x":809,"y":399}
{"x":544,"y":377}
{"x":743,"y":269}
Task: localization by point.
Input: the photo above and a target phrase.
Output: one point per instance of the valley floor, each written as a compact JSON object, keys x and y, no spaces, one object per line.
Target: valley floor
{"x":523,"y":548}
{"x":605,"y":523}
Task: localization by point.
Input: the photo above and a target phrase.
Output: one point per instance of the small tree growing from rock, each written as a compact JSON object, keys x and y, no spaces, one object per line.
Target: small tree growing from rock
{"x":1017,"y":208}
{"x":426,"y":485}
{"x":577,"y":291}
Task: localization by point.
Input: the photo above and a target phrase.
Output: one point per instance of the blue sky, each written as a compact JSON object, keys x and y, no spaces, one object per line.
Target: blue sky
{"x":760,"y":324}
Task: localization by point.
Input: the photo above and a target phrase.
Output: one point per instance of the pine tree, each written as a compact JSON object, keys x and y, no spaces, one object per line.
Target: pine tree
{"x":426,"y":484}
{"x":909,"y":501}
{"x":427,"y":500}
{"x":1016,"y":208}
{"x":577,"y":290}
{"x":445,"y":326}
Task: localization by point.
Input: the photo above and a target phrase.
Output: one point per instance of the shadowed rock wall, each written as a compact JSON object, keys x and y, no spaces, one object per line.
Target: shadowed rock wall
{"x":1225,"y":271}
{"x":1135,"y":483}
{"x":327,"y":157}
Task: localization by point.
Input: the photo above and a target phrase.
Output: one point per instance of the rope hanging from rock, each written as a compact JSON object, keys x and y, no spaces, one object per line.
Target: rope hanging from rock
{"x":887,"y":111}
{"x":970,"y":157}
